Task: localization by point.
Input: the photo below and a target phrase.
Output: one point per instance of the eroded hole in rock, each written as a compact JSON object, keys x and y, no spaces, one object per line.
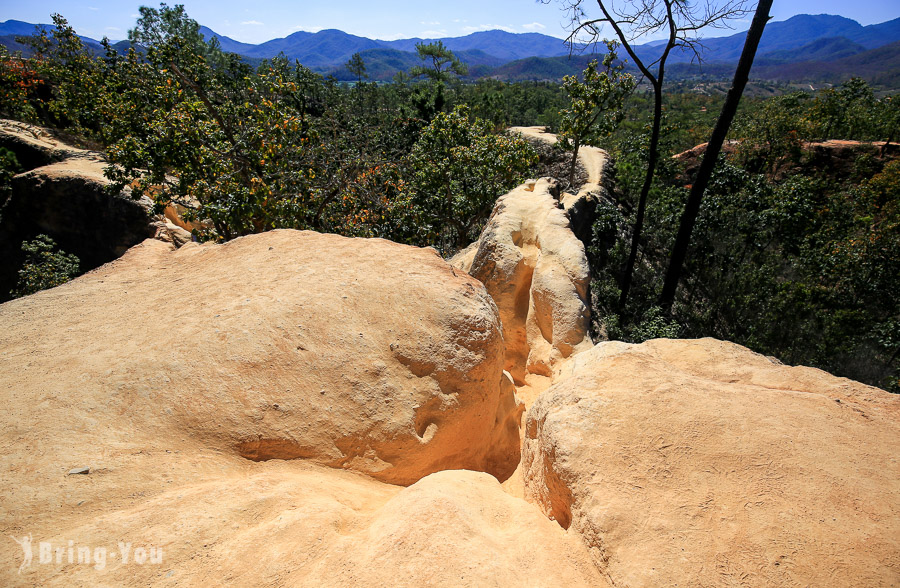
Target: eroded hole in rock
{"x":523,"y":292}
{"x":426,"y":422}
{"x":417,"y":366}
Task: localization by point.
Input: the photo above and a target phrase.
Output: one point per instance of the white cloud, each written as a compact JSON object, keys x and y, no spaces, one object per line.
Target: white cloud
{"x":252,"y":22}
{"x":113,"y":29}
{"x":535,"y":26}
{"x":489,"y":27}
{"x":433,"y":23}
{"x":432,"y":34}
{"x":92,"y":8}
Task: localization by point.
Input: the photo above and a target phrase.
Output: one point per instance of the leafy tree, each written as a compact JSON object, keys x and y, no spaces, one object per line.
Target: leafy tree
{"x":44,"y":267}
{"x":243,"y":156}
{"x":774,"y":130}
{"x":844,"y":111}
{"x":596,"y":104}
{"x":18,"y":85}
{"x":170,"y":37}
{"x":357,"y":67}
{"x":76,"y":80}
{"x":441,"y":65}
{"x":238,"y":148}
{"x":459,"y":169}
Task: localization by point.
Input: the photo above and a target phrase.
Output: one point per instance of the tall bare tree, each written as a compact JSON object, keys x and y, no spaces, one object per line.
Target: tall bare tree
{"x":681,"y":22}
{"x":692,"y":208}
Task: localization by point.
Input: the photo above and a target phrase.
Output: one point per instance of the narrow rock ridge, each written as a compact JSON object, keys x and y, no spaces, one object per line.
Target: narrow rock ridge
{"x":531,"y":258}
{"x":536,"y":271}
{"x":581,"y":206}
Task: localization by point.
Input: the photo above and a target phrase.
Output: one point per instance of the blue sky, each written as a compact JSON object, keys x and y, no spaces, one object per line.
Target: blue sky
{"x":261,"y":20}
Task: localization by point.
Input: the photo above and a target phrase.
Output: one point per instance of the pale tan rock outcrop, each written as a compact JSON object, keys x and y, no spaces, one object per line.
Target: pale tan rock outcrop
{"x":700,"y":463}
{"x":353,"y":353}
{"x":63,"y":192}
{"x":580,"y":205}
{"x":162,"y":372}
{"x":171,"y":233}
{"x":223,"y":521}
{"x":536,"y":271}
{"x":35,"y":146}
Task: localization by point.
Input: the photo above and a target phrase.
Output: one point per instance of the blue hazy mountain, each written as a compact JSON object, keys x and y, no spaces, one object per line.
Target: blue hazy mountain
{"x":803,"y":38}
{"x":826,"y":49}
{"x":500,"y":44}
{"x":784,"y":36}
{"x":18,"y":28}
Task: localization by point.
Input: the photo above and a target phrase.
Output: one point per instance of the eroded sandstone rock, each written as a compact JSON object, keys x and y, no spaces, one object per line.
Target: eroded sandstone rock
{"x":581,"y":204}
{"x":700,"y":463}
{"x":536,"y":271}
{"x":64,"y":194}
{"x":221,"y":521}
{"x":358,"y":354}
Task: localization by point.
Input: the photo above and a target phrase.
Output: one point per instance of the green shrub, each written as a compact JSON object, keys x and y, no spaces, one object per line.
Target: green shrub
{"x":45,"y":267}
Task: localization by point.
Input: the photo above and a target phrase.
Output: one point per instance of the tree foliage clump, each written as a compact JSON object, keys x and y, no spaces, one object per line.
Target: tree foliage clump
{"x":45,"y":266}
{"x":460,"y":169}
{"x":596,"y":104}
{"x":774,"y":131}
{"x":439,"y":63}
{"x":18,"y":86}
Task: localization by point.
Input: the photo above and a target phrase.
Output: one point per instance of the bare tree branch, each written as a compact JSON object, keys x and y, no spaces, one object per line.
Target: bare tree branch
{"x":634,"y":20}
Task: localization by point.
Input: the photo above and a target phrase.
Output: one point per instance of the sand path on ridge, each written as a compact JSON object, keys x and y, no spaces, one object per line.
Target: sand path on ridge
{"x":593,"y":159}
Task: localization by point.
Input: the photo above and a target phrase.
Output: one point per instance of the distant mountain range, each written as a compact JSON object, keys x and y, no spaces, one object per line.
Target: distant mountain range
{"x":11,"y":29}
{"x":802,"y":48}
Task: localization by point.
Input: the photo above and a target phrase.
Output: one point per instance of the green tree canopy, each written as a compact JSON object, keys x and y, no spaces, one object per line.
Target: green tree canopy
{"x":460,"y":169}
{"x":45,"y":266}
{"x":441,"y":65}
{"x":596,"y":103}
{"x":357,"y":67}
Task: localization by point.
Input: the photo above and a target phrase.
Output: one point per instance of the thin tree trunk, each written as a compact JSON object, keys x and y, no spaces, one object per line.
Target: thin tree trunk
{"x":692,"y":209}
{"x":886,"y":143}
{"x":645,"y":192}
{"x":574,"y":162}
